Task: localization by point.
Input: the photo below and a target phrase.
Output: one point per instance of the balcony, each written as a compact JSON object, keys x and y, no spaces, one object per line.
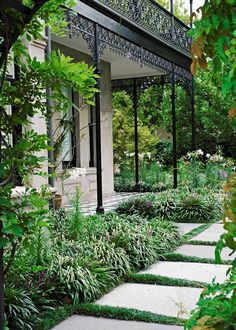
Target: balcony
{"x":150,"y":17}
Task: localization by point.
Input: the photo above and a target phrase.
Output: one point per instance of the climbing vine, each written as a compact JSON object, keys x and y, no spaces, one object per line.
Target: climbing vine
{"x":22,"y":102}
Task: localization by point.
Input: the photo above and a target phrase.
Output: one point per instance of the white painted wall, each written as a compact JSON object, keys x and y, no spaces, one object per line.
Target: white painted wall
{"x":88,"y":183}
{"x":37,"y":49}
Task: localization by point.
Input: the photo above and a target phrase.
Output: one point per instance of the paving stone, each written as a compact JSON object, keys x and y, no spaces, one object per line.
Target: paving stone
{"x":212,"y":234}
{"x":204,"y":251}
{"x":189,"y":271}
{"x":77,"y":322}
{"x":185,"y":228}
{"x":157,"y":299}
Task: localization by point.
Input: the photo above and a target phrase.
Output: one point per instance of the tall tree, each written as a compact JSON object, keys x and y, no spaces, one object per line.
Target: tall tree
{"x":180,"y":10}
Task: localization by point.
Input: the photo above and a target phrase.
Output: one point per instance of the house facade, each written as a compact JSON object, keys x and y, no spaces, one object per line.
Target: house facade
{"x":130,"y":42}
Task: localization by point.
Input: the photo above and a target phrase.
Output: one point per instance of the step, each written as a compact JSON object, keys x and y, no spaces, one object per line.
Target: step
{"x":188,"y":271}
{"x":204,"y":251}
{"x":77,"y":322}
{"x":185,"y":228}
{"x":211,"y":234}
{"x":157,"y":299}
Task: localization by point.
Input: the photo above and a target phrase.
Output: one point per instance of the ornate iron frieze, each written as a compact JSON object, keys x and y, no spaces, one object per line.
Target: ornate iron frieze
{"x":81,"y":26}
{"x":181,"y":73}
{"x":148,"y":15}
{"x":131,"y":51}
{"x":78,"y":25}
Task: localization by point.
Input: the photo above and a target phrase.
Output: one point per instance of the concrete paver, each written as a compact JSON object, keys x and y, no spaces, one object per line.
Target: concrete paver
{"x":185,"y":228}
{"x":79,"y":322}
{"x":165,"y":300}
{"x":204,"y":251}
{"x":153,"y":298}
{"x":212,"y":234}
{"x":189,"y":271}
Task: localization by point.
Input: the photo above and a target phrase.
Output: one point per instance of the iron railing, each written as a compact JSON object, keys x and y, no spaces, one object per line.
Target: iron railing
{"x":154,"y":19}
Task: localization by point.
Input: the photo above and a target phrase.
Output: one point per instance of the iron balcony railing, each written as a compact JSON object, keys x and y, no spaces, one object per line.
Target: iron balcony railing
{"x":148,"y":15}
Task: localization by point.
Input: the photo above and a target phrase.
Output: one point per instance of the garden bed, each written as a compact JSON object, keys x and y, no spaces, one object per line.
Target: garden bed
{"x":77,"y":259}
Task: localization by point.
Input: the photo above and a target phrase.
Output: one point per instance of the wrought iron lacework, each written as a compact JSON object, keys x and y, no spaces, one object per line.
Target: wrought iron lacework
{"x":148,"y":15}
{"x":144,"y":83}
{"x":79,"y":25}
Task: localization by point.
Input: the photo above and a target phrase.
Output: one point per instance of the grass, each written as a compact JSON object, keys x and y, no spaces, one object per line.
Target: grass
{"x":179,"y":257}
{"x":49,"y":319}
{"x":197,"y":242}
{"x":129,"y":314}
{"x":163,"y":280}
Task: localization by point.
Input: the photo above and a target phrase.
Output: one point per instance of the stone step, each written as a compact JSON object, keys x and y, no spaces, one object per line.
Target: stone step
{"x":188,"y":271}
{"x":212,"y":234}
{"x":77,"y":322}
{"x":185,"y":228}
{"x":165,"y":300}
{"x":204,"y":251}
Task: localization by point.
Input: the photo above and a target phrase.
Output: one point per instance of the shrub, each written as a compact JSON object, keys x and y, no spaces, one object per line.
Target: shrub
{"x":143,"y":240}
{"x":74,"y":280}
{"x":135,"y":240}
{"x":166,"y":236}
{"x":165,"y":209}
{"x":139,"y":206}
{"x":19,"y":308}
{"x":108,"y":254}
{"x":176,"y":205}
{"x":193,"y":209}
{"x":79,"y":265}
{"x":216,"y":308}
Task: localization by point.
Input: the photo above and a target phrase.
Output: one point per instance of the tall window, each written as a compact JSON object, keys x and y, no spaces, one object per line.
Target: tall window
{"x":71,"y":145}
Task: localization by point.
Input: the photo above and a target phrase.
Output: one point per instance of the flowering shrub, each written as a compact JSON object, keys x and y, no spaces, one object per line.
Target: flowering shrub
{"x":142,"y":206}
{"x":198,"y":169}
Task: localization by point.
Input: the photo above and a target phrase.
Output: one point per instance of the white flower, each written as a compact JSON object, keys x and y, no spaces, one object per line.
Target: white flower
{"x":141,"y":156}
{"x":199,"y":152}
{"x":208,"y":155}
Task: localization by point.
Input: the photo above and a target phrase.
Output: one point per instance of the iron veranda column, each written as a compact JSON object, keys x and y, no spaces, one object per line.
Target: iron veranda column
{"x":100,"y":208}
{"x":135,"y":107}
{"x":173,"y":110}
{"x":193,"y":117}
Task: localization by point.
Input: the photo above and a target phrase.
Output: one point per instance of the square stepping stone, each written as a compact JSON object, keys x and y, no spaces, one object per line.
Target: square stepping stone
{"x":189,"y":271}
{"x":165,"y":300}
{"x":211,"y":234}
{"x":204,"y":251}
{"x":77,"y":322}
{"x":185,"y":228}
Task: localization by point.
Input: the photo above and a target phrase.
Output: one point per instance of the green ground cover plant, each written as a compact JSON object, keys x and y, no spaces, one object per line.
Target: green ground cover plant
{"x":179,"y":257}
{"x":76,"y":259}
{"x":163,"y":280}
{"x":130,"y":314}
{"x":176,"y":205}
